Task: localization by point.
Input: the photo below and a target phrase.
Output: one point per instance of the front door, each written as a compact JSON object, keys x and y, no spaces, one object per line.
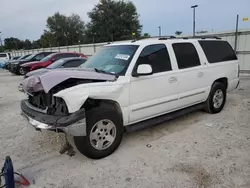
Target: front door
{"x":155,"y":94}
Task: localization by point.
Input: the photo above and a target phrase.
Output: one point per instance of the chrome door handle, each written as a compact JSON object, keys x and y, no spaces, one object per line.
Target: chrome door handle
{"x":172,"y":80}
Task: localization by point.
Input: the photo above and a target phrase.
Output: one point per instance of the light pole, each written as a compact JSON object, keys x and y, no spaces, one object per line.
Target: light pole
{"x":236,"y":32}
{"x":193,"y":7}
{"x":159,"y":31}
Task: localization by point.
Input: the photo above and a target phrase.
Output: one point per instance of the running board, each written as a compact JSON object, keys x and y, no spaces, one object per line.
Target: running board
{"x":163,"y":118}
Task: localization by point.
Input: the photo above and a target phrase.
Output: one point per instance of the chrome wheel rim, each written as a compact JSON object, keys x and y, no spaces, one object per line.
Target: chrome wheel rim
{"x":218,"y":98}
{"x":102,"y":134}
{"x":21,"y":71}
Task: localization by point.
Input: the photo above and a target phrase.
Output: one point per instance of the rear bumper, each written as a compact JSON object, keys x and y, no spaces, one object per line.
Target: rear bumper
{"x":74,"y":124}
{"x":233,"y":84}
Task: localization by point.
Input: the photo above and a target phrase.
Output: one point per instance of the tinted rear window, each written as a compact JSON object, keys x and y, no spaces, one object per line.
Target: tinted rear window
{"x":218,"y":51}
{"x":186,"y":55}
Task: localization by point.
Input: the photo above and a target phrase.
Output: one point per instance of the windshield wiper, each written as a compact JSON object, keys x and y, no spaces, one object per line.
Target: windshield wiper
{"x":102,"y":71}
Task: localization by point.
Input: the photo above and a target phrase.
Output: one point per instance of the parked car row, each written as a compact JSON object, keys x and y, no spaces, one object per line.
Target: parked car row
{"x":44,"y":60}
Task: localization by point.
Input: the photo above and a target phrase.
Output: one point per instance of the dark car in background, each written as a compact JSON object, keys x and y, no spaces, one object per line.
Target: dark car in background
{"x":14,"y":67}
{"x":61,"y":63}
{"x":6,"y":65}
{"x":15,"y":57}
{"x":27,"y":67}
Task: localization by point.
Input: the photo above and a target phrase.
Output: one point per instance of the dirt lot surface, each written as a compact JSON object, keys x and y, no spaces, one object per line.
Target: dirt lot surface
{"x":197,"y":150}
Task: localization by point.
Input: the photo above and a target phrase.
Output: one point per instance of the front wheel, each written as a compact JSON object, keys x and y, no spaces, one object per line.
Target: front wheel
{"x":21,"y":71}
{"x":104,"y":133}
{"x":216,"y":99}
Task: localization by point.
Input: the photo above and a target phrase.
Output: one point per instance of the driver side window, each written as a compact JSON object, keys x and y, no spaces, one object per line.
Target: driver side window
{"x":39,"y":57}
{"x":157,"y":56}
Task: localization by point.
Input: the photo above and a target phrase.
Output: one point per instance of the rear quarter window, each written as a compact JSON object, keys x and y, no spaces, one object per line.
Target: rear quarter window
{"x":218,"y":51}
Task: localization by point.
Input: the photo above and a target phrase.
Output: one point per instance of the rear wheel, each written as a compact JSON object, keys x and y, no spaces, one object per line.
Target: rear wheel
{"x":104,"y":133}
{"x":216,"y":99}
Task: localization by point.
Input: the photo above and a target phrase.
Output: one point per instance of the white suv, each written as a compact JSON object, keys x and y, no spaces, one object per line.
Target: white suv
{"x":129,"y":86}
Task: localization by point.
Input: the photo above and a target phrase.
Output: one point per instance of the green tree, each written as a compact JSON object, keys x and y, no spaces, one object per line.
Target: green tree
{"x":63,"y":30}
{"x":47,"y":39}
{"x":36,"y":44}
{"x":27,"y":44}
{"x":178,"y":33}
{"x":113,"y":20}
{"x":12,"y":43}
{"x":146,"y":35}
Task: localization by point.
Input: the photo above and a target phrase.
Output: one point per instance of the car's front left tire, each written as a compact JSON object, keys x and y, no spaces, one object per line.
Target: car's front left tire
{"x":104,"y":133}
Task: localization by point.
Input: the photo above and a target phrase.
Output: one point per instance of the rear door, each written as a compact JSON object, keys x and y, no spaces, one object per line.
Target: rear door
{"x":192,"y":85}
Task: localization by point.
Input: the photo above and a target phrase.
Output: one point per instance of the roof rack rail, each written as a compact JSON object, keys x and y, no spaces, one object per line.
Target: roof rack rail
{"x":202,"y":37}
{"x":167,"y":37}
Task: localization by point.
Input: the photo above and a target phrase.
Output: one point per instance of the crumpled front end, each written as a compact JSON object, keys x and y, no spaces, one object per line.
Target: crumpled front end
{"x":73,"y":124}
{"x":46,"y":111}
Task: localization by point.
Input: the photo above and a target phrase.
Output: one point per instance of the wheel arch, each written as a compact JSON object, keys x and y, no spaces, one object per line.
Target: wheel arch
{"x":222,"y":80}
{"x":91,"y":103}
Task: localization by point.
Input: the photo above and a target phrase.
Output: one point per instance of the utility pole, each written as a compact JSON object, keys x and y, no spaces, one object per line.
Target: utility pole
{"x":79,"y":42}
{"x":236,"y":33}
{"x":193,"y":7}
{"x":159,"y":31}
{"x":1,"y":44}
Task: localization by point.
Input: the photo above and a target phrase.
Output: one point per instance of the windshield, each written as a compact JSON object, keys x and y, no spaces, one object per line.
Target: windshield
{"x":47,"y":58}
{"x":24,"y":57}
{"x":55,"y":64}
{"x":30,"y":57}
{"x":112,"y":59}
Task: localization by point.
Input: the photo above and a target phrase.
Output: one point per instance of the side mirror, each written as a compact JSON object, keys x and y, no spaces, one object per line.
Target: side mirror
{"x":143,"y":70}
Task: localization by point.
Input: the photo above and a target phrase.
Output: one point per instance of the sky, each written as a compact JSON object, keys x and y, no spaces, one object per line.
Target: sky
{"x":26,"y":19}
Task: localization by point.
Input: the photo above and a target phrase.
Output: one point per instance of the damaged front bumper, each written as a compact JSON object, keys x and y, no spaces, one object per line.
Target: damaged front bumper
{"x":74,"y":124}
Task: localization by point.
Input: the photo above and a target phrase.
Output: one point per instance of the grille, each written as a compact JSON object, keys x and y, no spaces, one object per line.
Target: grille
{"x":43,"y":101}
{"x":40,"y":100}
{"x":12,"y":66}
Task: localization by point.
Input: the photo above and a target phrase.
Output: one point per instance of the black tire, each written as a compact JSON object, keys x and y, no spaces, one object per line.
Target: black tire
{"x":209,"y":104}
{"x":20,"y":71}
{"x":83,"y":143}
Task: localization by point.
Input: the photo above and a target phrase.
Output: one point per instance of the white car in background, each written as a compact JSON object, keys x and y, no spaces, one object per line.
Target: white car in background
{"x":4,"y":57}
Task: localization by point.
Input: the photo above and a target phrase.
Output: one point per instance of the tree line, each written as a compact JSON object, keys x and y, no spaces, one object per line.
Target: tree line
{"x":110,"y":20}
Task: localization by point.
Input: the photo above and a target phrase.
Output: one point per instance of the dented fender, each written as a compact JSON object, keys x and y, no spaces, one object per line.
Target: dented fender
{"x":76,"y":96}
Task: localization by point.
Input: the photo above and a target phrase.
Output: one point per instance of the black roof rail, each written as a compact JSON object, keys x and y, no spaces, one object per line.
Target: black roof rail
{"x":202,"y":37}
{"x":167,"y":37}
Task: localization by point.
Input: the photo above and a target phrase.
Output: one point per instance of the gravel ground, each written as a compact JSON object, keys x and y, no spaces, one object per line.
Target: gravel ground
{"x":196,"y":150}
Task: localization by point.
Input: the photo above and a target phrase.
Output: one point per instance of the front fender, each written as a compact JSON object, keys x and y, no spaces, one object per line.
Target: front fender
{"x":76,"y":96}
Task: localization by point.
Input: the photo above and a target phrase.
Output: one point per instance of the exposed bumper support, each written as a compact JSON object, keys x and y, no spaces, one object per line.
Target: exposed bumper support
{"x":74,"y":124}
